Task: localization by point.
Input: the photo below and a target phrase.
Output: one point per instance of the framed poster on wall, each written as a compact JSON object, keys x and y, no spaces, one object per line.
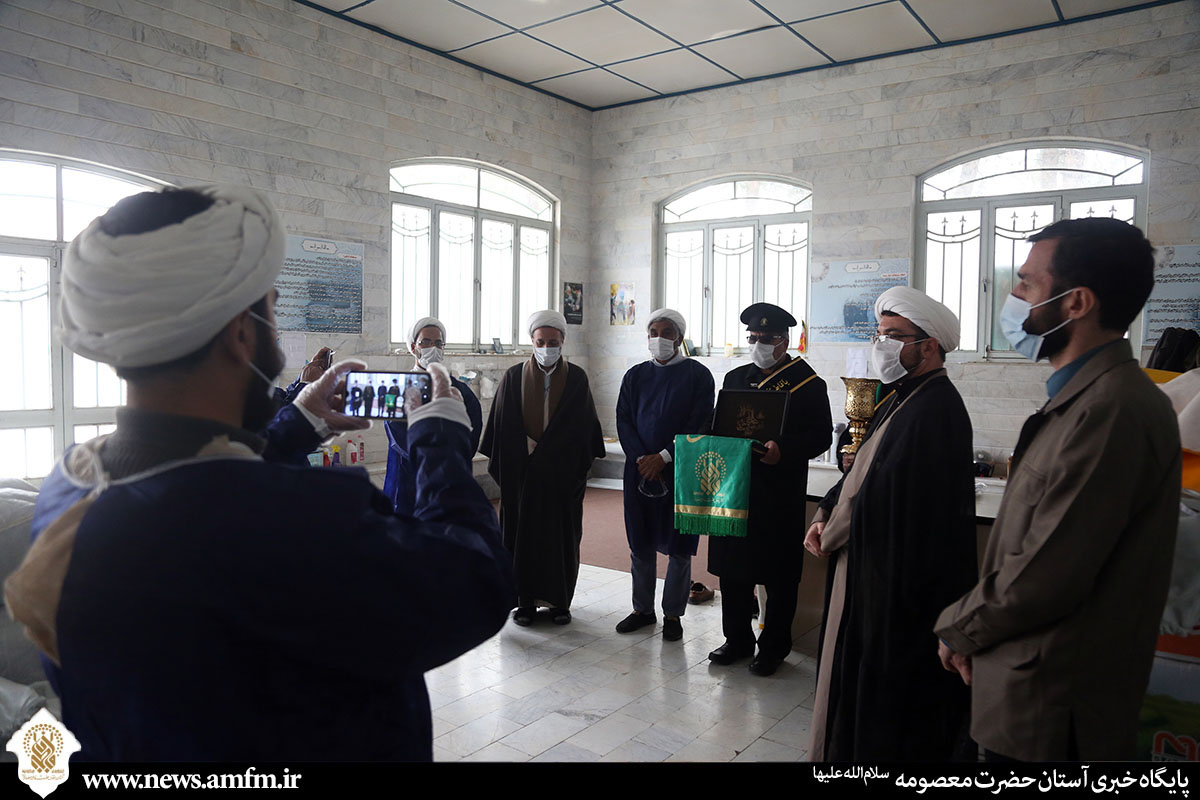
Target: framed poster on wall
{"x":321,"y":286}
{"x":842,"y":308}
{"x":573,"y":303}
{"x":622,"y":308}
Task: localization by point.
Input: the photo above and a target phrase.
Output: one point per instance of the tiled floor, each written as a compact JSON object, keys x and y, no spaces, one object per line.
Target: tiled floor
{"x":583,"y":692}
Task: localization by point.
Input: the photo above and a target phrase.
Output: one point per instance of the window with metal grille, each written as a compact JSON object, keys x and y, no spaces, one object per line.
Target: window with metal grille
{"x":974,"y":215}
{"x":54,"y":397}
{"x":730,"y":243}
{"x":473,"y":246}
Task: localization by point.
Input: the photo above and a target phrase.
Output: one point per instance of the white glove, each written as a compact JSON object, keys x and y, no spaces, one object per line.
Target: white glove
{"x":321,"y":402}
{"x":446,"y":402}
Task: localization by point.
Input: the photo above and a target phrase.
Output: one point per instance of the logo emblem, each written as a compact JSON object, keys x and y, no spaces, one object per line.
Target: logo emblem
{"x":710,"y":469}
{"x":749,"y":421}
{"x":1169,"y":747}
{"x":43,"y":746}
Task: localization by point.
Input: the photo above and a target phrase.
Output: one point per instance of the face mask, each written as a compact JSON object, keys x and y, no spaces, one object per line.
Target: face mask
{"x":278,"y":358}
{"x":259,"y":407}
{"x":547,"y":356}
{"x":430,"y":355}
{"x":763,"y":355}
{"x":661,"y":349}
{"x":269,"y":381}
{"x":885,"y":358}
{"x":1012,"y":322}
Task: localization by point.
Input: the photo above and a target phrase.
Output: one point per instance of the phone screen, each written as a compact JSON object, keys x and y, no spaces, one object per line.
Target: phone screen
{"x":380,"y":395}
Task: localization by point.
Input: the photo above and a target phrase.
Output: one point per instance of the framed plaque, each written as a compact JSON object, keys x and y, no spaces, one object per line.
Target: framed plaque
{"x":750,"y":414}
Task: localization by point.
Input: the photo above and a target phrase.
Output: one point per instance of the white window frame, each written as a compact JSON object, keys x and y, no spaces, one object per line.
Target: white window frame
{"x":987,"y":205}
{"x":703,"y":342}
{"x":479,"y":214}
{"x":63,"y":415}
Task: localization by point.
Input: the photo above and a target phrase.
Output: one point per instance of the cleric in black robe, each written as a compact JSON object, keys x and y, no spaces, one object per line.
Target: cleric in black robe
{"x":541,"y":437}
{"x":772,"y":552}
{"x":903,"y":536}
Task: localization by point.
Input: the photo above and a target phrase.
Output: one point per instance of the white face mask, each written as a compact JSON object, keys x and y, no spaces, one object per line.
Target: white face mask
{"x":885,"y":358}
{"x":254,"y":367}
{"x":547,"y":356}
{"x":763,"y":355}
{"x":430,"y":355}
{"x":661,"y":349}
{"x":1012,"y":323}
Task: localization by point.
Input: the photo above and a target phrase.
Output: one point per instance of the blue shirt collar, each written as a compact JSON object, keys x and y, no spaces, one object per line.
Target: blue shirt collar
{"x":1059,"y":379}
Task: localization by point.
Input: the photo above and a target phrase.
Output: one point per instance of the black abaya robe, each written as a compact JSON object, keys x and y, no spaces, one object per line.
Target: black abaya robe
{"x":773,"y":548}
{"x":541,"y":493}
{"x":911,"y":552}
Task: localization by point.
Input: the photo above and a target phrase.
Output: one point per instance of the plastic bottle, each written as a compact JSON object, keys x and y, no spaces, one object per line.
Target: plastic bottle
{"x":337,"y":456}
{"x":728,"y":350}
{"x":351,"y":451}
{"x":326,"y":458}
{"x":362,"y":450}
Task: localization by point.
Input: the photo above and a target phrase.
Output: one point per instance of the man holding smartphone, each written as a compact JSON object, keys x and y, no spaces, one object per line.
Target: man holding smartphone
{"x":212,"y":610}
{"x":427,"y":342}
{"x":310,"y":372}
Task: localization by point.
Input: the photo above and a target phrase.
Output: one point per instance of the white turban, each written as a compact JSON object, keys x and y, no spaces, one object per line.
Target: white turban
{"x":923,"y":311}
{"x":149,"y":298}
{"x":425,"y":322}
{"x":671,"y":314}
{"x":547,"y":319}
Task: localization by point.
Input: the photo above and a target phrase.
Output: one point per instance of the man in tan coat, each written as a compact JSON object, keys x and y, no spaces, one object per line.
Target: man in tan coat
{"x":1058,"y":636}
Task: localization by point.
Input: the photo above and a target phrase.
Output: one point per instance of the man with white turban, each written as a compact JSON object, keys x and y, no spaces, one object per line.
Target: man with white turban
{"x":541,"y":438}
{"x":902,"y":534}
{"x":666,"y":395}
{"x":427,"y":342}
{"x":195,"y":597}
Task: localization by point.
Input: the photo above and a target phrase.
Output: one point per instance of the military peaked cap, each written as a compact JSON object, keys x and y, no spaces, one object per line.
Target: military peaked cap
{"x":767,"y":317}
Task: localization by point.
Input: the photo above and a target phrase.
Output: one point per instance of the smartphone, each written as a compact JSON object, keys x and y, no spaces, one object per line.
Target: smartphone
{"x":380,"y":395}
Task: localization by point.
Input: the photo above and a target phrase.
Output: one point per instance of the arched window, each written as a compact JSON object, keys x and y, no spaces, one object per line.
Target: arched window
{"x":471,"y":245}
{"x":975,"y":213}
{"x":730,"y":243}
{"x":53,"y":397}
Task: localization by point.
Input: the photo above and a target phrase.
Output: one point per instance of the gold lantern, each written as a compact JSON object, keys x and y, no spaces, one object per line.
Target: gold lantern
{"x":860,"y":407}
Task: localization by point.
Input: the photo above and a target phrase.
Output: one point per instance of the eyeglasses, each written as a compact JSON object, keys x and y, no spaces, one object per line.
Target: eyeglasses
{"x":431,"y":343}
{"x":889,"y":337}
{"x":765,"y":338}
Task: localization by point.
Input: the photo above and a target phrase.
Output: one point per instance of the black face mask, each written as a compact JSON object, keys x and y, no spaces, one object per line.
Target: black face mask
{"x":260,"y":407}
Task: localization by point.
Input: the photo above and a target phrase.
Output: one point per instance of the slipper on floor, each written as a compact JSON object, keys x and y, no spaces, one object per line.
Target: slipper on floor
{"x":700,"y":593}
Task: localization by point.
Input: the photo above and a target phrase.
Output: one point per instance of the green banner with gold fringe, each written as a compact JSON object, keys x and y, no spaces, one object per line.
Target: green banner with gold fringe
{"x":712,"y":485}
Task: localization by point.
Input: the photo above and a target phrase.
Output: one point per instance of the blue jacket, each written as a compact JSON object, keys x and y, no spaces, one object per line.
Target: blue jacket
{"x":224,"y":608}
{"x":400,"y":482}
{"x":655,"y":403}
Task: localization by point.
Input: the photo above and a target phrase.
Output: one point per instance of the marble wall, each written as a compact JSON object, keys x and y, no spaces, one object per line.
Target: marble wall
{"x":313,"y":109}
{"x":860,"y":134}
{"x":277,"y":95}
